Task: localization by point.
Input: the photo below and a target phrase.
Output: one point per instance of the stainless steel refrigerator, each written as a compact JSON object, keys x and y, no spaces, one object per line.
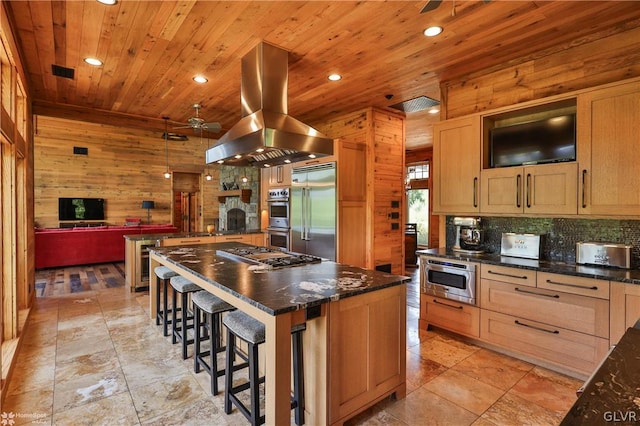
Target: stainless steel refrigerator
{"x":313,"y":210}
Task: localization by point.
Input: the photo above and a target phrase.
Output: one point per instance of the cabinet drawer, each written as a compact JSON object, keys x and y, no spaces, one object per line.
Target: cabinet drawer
{"x":573,"y":312}
{"x":508,"y":275}
{"x":451,"y":315}
{"x":247,"y":238}
{"x":569,"y":349}
{"x":170,"y":242}
{"x":576,"y":285}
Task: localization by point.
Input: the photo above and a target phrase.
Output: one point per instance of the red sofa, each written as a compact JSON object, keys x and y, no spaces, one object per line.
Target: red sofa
{"x":81,"y":246}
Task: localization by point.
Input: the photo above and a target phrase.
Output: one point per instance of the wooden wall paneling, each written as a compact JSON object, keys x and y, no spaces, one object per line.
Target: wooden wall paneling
{"x":8,"y":214}
{"x":588,"y":62}
{"x":124,"y":166}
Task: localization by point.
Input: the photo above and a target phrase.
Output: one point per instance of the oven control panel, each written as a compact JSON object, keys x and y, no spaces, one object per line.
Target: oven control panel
{"x":278,"y":194}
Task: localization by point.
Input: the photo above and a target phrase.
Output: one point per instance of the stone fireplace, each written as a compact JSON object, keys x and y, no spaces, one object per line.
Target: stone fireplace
{"x":235,"y":213}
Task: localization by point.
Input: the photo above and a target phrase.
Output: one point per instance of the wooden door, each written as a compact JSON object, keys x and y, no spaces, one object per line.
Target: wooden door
{"x":186,"y":202}
{"x":456,"y":153}
{"x":608,"y":154}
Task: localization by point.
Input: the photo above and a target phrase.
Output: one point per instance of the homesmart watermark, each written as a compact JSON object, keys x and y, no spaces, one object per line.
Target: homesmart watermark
{"x":11,"y":418}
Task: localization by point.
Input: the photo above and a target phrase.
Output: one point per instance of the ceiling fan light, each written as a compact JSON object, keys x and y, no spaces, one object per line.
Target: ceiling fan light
{"x":93,"y":61}
{"x":432,"y":31}
{"x":200,"y":79}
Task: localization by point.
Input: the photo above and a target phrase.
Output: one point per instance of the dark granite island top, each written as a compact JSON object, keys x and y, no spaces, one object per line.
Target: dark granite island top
{"x":355,"y":326}
{"x":277,"y":290}
{"x":612,"y":396}
{"x":140,"y":237}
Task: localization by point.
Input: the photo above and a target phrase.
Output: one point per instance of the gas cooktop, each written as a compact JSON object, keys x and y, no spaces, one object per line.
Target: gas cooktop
{"x":270,"y":257}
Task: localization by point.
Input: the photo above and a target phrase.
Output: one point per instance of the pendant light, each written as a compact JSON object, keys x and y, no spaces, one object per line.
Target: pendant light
{"x":167,"y":173}
{"x":208,"y":175}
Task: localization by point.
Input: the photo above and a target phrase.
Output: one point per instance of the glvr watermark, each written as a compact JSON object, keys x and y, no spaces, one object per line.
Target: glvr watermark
{"x":621,"y":416}
{"x":9,"y":419}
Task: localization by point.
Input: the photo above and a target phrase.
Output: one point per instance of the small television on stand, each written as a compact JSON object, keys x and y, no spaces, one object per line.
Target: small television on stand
{"x":80,"y":209}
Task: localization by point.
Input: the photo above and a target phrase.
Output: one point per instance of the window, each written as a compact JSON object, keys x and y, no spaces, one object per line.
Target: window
{"x":418,"y":199}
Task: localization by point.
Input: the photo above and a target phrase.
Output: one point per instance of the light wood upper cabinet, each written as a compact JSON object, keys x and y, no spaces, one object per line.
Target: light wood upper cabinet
{"x":280,"y":175}
{"x":608,"y":154}
{"x":538,"y":189}
{"x":456,"y":177}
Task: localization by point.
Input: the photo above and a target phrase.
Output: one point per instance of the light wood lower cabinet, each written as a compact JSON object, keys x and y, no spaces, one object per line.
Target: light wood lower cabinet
{"x":171,"y":242}
{"x":575,"y":351}
{"x":625,"y":309}
{"x":578,"y":313}
{"x":451,"y":315}
{"x":367,"y":347}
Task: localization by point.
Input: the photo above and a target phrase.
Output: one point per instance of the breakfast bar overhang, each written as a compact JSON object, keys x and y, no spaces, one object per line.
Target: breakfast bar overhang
{"x":355,"y":338}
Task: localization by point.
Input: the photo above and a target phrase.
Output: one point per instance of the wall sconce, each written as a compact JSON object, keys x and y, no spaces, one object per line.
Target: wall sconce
{"x":148,"y":205}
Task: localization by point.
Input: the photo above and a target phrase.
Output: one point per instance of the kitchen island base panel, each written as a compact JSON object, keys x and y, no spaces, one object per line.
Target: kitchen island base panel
{"x":386,"y":309}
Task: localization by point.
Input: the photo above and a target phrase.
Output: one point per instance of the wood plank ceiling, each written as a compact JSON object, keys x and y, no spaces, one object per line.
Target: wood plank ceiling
{"x":152,"y":49}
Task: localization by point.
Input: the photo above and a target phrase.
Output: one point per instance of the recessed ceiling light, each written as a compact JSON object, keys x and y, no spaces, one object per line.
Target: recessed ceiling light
{"x":287,"y":161}
{"x":260,"y":150}
{"x":200,"y":79}
{"x":267,"y":165}
{"x":432,"y":31}
{"x":434,"y":110}
{"x":93,"y":61}
{"x":108,"y":2}
{"x":312,"y":156}
{"x":220,"y":161}
{"x":237,"y":156}
{"x":334,"y":77}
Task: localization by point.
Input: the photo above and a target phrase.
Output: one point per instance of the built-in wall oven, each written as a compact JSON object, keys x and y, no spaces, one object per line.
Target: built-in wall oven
{"x":448,"y":279}
{"x":278,"y":208}
{"x":278,"y":232}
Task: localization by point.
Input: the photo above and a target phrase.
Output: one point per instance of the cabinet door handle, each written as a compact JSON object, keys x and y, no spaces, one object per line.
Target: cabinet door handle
{"x":584,"y":191}
{"x":528,"y":191}
{"x":553,"y":296}
{"x":518,"y":189}
{"x":572,"y":285}
{"x":189,"y":241}
{"x":536,"y":328}
{"x":523,"y":277}
{"x":475,"y":191}
{"x":446,"y":304}
{"x":232,"y":238}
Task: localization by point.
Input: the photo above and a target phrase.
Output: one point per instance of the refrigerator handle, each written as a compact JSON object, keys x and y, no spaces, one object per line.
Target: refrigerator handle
{"x":308,"y":220}
{"x":303,"y":224}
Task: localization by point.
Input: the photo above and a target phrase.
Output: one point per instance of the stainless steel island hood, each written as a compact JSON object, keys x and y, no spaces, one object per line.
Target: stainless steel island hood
{"x":266,"y":135}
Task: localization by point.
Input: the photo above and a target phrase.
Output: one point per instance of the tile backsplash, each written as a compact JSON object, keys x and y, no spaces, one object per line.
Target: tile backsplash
{"x":560,"y":235}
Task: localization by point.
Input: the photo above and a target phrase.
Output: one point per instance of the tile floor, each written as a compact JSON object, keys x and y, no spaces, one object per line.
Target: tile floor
{"x":91,"y":356}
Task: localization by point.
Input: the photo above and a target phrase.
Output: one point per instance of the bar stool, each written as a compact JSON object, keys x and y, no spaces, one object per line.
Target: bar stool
{"x":207,"y":305}
{"x":163,"y":274}
{"x":252,"y":332}
{"x":183,"y":286}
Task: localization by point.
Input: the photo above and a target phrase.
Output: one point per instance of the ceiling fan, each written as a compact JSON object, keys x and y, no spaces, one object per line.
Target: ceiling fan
{"x":433,"y":4}
{"x":197,"y":123}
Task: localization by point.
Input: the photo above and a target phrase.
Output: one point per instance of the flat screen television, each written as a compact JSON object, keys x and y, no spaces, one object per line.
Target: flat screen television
{"x":548,"y":140}
{"x":80,"y":209}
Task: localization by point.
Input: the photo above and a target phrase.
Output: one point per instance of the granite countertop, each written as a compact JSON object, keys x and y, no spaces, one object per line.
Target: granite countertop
{"x":277,"y":291}
{"x":613,"y":393}
{"x":630,"y":276}
{"x":138,"y":237}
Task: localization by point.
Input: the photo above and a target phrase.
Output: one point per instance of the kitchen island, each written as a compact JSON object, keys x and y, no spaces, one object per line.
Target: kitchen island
{"x":355,"y":338}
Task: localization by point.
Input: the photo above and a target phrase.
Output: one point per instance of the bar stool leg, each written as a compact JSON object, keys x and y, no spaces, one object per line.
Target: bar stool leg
{"x":228,"y":378}
{"x":213,"y":352}
{"x":196,"y":336}
{"x":165,"y":309}
{"x":174,"y":318}
{"x":158,"y":300}
{"x":254,"y":376}
{"x":184,"y":318}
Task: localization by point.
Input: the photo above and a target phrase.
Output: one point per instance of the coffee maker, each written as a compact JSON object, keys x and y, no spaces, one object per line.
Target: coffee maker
{"x":469,"y":235}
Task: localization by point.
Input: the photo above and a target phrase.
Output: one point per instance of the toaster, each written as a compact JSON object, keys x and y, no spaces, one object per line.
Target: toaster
{"x":605,"y":254}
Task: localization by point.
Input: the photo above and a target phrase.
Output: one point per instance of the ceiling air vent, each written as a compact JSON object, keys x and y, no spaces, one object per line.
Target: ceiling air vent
{"x":416,"y":104}
{"x":63,"y":72}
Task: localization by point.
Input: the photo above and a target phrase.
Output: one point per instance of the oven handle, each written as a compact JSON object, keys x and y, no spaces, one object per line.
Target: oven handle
{"x":446,"y":304}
